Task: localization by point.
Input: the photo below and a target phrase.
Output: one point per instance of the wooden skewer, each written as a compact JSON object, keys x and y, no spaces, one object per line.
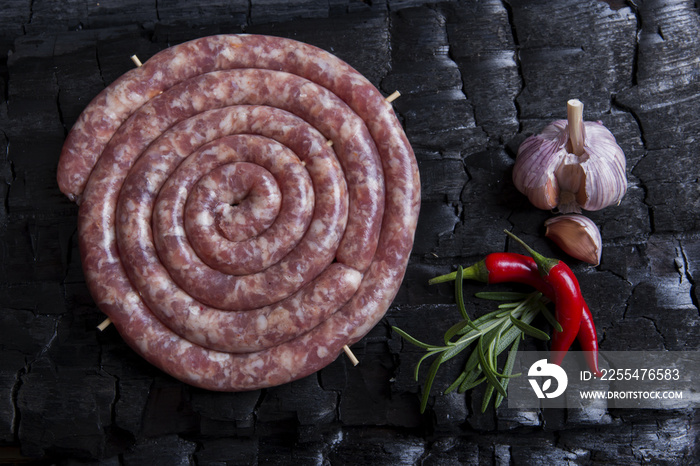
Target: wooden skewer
{"x":350,"y":355}
{"x":105,"y":323}
{"x":393,"y":96}
{"x":136,"y":60}
{"x":329,"y":143}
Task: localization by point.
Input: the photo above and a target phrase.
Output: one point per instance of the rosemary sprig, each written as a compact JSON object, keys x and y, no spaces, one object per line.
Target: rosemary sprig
{"x":493,"y":333}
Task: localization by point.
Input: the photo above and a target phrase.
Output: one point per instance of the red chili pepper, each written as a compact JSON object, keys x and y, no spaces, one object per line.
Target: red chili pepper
{"x":568,"y":300}
{"x":523,"y":269}
{"x":568,"y":308}
{"x":504,"y":267}
{"x":588,"y":339}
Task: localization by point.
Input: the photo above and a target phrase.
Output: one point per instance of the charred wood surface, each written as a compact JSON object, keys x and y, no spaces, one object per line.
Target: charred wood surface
{"x":476,"y":78}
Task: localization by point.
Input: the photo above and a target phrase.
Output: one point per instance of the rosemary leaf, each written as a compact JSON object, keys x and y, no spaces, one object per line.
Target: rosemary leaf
{"x":502,"y":295}
{"x":492,"y":355}
{"x":508,"y":305}
{"x":487,"y":327}
{"x":454,"y":351}
{"x":455,"y":330}
{"x":412,"y":340}
{"x":460,"y":297}
{"x":548,"y":315}
{"x":484,"y":323}
{"x":529,"y":329}
{"x":508,"y":371}
{"x":508,"y":338}
{"x":420,"y":361}
{"x":464,"y":387}
{"x":506,"y":313}
{"x":525,"y":305}
{"x":492,"y":346}
{"x":456,"y":383}
{"x":488,"y":371}
{"x":514,"y":333}
{"x":429,"y":383}
{"x":472,"y":369}
{"x":487,"y":397}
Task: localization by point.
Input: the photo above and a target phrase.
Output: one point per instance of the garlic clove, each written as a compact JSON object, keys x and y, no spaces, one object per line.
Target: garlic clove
{"x":606,"y":180}
{"x":535,"y":167}
{"x":576,"y":235}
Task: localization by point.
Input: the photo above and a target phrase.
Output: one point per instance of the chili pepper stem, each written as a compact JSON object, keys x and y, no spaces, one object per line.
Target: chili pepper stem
{"x":476,"y":272}
{"x":544,"y":264}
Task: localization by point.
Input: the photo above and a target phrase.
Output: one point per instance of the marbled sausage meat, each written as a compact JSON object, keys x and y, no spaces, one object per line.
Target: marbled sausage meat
{"x":247,"y":208}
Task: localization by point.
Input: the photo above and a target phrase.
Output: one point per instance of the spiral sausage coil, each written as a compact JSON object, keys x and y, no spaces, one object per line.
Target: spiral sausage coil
{"x":247,"y":208}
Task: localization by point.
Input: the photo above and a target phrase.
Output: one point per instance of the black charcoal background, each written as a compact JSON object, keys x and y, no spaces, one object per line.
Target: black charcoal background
{"x":476,"y":78}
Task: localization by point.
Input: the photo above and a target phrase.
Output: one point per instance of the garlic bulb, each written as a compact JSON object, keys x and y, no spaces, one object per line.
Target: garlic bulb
{"x":576,"y":235}
{"x":571,"y":165}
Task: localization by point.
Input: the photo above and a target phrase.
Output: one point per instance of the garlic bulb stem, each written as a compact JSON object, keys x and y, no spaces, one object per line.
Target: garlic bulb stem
{"x":574,"y":114}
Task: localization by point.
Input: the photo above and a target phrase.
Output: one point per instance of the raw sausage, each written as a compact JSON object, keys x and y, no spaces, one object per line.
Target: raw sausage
{"x":247,"y":208}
